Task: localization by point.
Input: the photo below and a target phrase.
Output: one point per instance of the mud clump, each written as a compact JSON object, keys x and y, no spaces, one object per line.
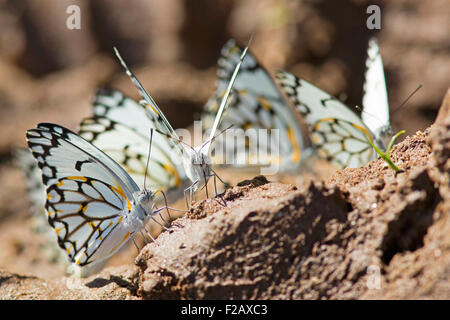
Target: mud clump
{"x":254,"y":247}
{"x":364,"y":233}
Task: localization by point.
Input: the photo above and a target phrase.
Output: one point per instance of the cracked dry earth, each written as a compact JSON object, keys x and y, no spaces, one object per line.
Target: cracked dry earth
{"x":365,"y":233}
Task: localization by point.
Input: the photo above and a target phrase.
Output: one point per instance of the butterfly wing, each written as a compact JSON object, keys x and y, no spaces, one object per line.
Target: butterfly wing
{"x":160,"y":121}
{"x":33,"y":179}
{"x":375,"y":100}
{"x":88,"y":194}
{"x":337,"y":132}
{"x":36,"y":193}
{"x":224,"y":100}
{"x":256,"y":103}
{"x":120,"y":127}
{"x":342,"y":142}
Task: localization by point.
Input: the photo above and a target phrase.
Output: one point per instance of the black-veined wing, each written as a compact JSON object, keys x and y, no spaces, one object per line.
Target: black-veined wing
{"x":89,"y":196}
{"x":120,"y":127}
{"x":256,"y":103}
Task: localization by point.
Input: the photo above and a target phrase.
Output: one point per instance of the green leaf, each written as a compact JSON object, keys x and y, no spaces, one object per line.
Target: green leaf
{"x":386,"y":156}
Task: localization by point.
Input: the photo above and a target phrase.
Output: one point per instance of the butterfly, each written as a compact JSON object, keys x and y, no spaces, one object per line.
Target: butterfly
{"x":256,"y":103}
{"x":119,"y":127}
{"x":92,"y":203}
{"x":337,"y":132}
{"x":195,"y":160}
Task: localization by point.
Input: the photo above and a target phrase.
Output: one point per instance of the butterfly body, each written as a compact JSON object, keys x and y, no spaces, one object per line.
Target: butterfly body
{"x":197,"y":166}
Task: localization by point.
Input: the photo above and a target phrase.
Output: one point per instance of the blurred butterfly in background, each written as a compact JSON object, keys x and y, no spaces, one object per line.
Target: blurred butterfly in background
{"x":256,"y":103}
{"x":38,"y":219}
{"x":118,"y":127}
{"x":337,"y":132}
{"x":93,"y":205}
{"x":195,"y":160}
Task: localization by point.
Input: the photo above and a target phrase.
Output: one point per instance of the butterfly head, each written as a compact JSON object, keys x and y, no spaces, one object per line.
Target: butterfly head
{"x":144,"y":199}
{"x":202,"y":161}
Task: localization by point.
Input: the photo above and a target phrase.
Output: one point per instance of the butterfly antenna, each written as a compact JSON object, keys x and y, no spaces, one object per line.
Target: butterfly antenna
{"x":144,"y":94}
{"x":174,"y":138}
{"x":407,"y":99}
{"x":215,"y":137}
{"x":228,"y":90}
{"x":148,"y":157}
{"x":133,"y":78}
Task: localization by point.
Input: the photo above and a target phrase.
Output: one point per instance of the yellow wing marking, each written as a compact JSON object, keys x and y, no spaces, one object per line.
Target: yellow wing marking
{"x":153,"y":109}
{"x":296,"y":148}
{"x":364,"y":131}
{"x":315,"y":139}
{"x":59,"y":230}
{"x":78,"y":261}
{"x":174,"y":172}
{"x":117,"y":245}
{"x":264,"y":103}
{"x":83,"y":179}
{"x":120,"y":191}
{"x":316,"y":126}
{"x":69,"y":249}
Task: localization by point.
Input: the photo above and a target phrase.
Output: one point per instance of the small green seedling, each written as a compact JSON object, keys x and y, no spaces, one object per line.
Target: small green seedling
{"x":386,"y":156}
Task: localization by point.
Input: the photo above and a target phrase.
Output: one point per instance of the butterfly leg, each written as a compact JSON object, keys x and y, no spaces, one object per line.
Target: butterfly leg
{"x":215,"y":173}
{"x":215,"y":187}
{"x":216,"y":176}
{"x":165,"y":207}
{"x":134,"y":242}
{"x":191,"y":194}
{"x":168,"y":209}
{"x":155,"y":212}
{"x":206,"y":183}
{"x":144,"y":237}
{"x":188,"y":197}
{"x":148,"y":233}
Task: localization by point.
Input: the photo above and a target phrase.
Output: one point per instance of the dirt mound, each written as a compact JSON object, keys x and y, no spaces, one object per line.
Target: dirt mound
{"x":364,"y":233}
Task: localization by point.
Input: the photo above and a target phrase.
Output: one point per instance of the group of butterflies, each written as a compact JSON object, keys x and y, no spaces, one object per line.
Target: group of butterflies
{"x":101,"y":182}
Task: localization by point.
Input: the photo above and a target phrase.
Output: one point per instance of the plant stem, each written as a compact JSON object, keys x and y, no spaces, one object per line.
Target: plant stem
{"x":386,"y":155}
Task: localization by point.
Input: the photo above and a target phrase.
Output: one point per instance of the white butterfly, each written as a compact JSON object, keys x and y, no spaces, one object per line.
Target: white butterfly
{"x":257,"y":103}
{"x":120,"y":127}
{"x":375,"y":113}
{"x":195,"y":160}
{"x":338,"y":133}
{"x":93,"y":205}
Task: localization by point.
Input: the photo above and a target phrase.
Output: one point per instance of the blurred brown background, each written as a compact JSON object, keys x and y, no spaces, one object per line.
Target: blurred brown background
{"x":50,"y":73}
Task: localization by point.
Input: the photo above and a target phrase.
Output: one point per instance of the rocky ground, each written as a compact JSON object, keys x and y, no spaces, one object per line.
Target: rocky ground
{"x":365,"y":233}
{"x":326,"y":234}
